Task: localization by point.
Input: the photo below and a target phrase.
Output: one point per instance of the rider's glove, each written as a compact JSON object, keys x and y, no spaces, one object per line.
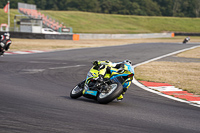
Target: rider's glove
{"x":100,"y":79}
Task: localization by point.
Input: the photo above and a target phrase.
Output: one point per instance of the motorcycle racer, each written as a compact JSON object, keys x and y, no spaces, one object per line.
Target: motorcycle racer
{"x":5,"y":43}
{"x":105,"y":81}
{"x":107,"y":69}
{"x":187,"y":39}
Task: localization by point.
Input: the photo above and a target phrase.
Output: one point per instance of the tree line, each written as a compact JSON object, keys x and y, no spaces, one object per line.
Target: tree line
{"x":177,"y":8}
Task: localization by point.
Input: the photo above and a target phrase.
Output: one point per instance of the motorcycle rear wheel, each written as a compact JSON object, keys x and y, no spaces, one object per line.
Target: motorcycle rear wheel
{"x":76,"y":92}
{"x":114,"y":92}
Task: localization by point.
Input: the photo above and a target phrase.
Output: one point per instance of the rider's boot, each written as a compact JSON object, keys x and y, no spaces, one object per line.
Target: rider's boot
{"x":120,"y":98}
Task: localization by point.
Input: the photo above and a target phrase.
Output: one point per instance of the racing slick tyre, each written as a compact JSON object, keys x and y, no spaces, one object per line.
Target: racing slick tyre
{"x":116,"y":90}
{"x":76,"y":92}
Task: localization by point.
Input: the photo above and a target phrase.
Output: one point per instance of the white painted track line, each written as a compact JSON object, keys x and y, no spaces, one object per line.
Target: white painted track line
{"x":193,"y":103}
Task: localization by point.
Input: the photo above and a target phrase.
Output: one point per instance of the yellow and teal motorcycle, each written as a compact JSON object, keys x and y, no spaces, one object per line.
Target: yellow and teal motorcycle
{"x":106,"y":91}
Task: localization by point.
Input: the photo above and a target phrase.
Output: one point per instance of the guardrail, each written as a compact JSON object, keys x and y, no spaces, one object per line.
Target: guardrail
{"x":94,"y":36}
{"x":124,"y":36}
{"x":26,"y":35}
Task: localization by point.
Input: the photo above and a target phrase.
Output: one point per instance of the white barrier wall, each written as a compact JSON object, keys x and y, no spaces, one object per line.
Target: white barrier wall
{"x":124,"y":36}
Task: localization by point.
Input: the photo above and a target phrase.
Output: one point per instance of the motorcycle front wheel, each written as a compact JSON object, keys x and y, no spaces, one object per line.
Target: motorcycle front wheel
{"x":115,"y":91}
{"x":76,"y":92}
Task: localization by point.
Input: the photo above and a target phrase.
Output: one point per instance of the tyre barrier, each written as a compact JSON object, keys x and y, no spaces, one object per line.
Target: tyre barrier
{"x":186,"y":34}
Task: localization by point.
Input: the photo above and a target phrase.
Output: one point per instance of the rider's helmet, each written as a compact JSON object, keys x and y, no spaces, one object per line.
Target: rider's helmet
{"x":107,"y":61}
{"x":7,"y":35}
{"x":127,"y":62}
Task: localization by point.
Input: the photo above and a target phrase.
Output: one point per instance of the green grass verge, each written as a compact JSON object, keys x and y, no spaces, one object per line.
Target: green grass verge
{"x":85,"y":22}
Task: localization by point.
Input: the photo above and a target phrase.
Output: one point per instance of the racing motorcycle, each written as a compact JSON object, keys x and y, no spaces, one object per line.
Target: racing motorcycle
{"x":106,"y":91}
{"x":5,"y":43}
{"x":186,"y":40}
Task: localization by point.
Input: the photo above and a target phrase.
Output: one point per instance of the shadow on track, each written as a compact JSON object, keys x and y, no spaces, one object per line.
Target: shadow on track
{"x":86,"y":100}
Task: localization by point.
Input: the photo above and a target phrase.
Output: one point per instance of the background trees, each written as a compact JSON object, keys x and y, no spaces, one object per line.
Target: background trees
{"x":178,"y":8}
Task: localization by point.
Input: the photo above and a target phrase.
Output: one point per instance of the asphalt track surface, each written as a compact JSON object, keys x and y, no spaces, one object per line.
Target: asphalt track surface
{"x":35,"y":88}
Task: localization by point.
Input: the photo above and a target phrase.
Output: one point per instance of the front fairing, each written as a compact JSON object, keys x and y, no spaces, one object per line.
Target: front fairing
{"x":89,"y":93}
{"x":92,"y":74}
